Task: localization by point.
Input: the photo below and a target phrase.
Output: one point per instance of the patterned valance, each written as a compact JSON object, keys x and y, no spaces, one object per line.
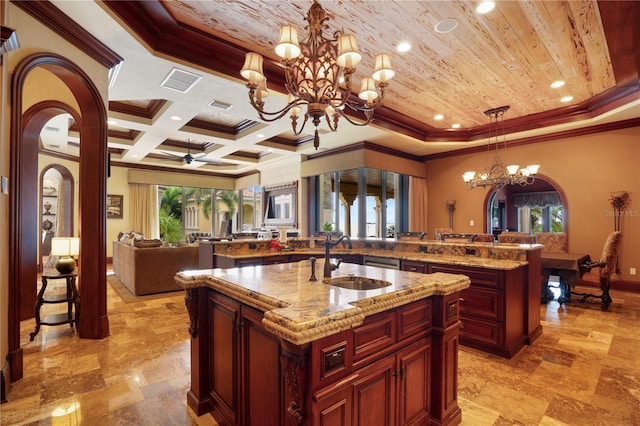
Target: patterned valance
{"x":537,"y":199}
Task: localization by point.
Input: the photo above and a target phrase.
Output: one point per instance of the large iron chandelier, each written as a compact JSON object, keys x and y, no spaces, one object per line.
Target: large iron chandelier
{"x":318,"y":74}
{"x":497,"y":175}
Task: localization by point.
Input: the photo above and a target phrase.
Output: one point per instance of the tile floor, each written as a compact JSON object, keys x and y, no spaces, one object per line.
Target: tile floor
{"x":583,"y":370}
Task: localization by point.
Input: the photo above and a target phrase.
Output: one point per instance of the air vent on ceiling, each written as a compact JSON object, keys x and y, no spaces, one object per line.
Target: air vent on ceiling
{"x":221,"y":105}
{"x":180,"y":80}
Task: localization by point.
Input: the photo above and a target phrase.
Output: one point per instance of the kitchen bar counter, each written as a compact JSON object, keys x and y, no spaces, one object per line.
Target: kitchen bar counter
{"x":300,"y":311}
{"x":270,"y":347}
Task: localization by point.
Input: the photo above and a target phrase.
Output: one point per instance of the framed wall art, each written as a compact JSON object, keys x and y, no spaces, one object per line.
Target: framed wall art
{"x":114,"y":206}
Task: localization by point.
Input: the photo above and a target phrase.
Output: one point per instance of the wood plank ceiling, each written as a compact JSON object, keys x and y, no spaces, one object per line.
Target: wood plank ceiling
{"x":509,"y":56}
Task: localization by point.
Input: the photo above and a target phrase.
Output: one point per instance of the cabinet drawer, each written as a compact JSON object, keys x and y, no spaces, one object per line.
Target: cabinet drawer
{"x":414,"y":318}
{"x":275,"y":260}
{"x":480,"y":331}
{"x":482,"y":302}
{"x":410,"y":266}
{"x":482,"y":277}
{"x":376,"y":333}
{"x":253,"y":261}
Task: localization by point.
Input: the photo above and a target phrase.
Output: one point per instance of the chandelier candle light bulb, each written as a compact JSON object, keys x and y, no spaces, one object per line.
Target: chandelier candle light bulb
{"x":318,"y":74}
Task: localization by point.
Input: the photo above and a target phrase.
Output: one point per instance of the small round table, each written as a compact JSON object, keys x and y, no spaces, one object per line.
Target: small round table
{"x":70,"y":297}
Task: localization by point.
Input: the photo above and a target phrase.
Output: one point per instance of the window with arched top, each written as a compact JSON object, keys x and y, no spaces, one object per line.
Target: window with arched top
{"x":540,"y":207}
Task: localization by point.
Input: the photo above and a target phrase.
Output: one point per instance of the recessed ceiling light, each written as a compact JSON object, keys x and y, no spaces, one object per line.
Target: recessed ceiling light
{"x":134,"y":156}
{"x":403,"y":46}
{"x":438,"y":117}
{"x":455,"y":126}
{"x":175,"y":118}
{"x":260,"y":135}
{"x":485,"y":6}
{"x":557,"y":84}
{"x":566,"y":99}
{"x":445,"y":26}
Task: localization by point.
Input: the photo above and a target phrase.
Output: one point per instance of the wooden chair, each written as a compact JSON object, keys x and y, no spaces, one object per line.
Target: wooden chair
{"x":607,"y":265}
{"x":556,"y":242}
{"x":516,"y":238}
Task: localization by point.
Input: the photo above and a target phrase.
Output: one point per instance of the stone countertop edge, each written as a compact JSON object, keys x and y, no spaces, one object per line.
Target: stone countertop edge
{"x":472,"y":261}
{"x":309,"y":318}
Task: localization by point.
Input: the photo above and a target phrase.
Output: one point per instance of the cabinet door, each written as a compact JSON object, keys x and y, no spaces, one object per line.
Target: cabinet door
{"x":414,"y":382}
{"x":224,"y":319}
{"x":334,"y":408}
{"x":374,"y":393}
{"x":261,"y":375}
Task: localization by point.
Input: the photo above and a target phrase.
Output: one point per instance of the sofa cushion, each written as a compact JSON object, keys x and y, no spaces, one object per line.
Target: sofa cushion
{"x":147,"y":243}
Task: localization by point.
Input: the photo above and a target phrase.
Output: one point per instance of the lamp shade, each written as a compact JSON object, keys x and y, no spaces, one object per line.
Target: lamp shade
{"x":288,"y":47}
{"x":65,"y":246}
{"x":368,"y":91}
{"x":383,"y":71}
{"x":348,"y":54}
{"x":252,"y":68}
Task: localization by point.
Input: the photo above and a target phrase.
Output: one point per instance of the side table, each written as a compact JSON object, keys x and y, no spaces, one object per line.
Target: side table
{"x":70,"y":297}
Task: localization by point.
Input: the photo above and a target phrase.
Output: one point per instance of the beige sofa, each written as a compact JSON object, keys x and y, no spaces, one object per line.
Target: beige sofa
{"x":151,"y":270}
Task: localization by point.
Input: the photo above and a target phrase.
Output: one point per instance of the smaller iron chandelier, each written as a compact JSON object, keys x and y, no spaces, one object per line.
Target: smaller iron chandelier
{"x":318,"y":74}
{"x":497,"y":175}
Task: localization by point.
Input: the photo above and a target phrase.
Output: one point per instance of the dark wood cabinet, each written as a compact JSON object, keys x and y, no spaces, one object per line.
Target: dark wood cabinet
{"x":245,"y":380}
{"x":381,"y":372}
{"x":492,"y":309}
{"x":390,"y":379}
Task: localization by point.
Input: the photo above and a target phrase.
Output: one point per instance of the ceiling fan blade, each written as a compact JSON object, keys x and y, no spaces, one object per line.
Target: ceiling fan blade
{"x":171,"y":157}
{"x":204,"y":160}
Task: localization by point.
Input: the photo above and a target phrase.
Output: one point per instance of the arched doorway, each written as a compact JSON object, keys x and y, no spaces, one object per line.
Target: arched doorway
{"x":545,"y":200}
{"x":90,"y":114}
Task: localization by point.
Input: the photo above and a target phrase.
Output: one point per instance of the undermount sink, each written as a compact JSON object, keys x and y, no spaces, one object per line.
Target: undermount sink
{"x":353,"y":282}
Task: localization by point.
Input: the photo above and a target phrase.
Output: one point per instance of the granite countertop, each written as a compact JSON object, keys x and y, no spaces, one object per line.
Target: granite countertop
{"x":301,"y":311}
{"x":472,"y":261}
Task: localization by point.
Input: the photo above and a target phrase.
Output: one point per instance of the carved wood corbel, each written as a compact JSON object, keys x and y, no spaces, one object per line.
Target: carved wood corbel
{"x":191,"y":301}
{"x":293,"y":366}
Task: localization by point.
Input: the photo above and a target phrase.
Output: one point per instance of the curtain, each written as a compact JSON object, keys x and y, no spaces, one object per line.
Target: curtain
{"x":60,"y":209}
{"x":417,"y":204}
{"x":144,"y":209}
{"x":537,"y":199}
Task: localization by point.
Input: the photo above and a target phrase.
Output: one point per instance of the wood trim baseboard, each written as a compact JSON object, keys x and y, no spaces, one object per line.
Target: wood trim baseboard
{"x":621,"y":285}
{"x":5,"y":383}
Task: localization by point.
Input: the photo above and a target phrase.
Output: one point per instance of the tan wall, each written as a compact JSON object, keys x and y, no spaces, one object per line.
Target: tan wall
{"x":117,"y":184}
{"x":587,"y":168}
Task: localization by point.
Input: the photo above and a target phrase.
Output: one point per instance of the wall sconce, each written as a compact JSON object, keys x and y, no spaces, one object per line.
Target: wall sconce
{"x":65,"y":248}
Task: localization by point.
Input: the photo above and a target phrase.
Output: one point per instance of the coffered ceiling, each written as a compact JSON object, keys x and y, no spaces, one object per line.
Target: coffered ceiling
{"x":509,"y":56}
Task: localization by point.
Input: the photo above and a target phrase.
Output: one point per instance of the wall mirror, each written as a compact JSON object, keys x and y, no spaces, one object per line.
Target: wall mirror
{"x":280,"y":205}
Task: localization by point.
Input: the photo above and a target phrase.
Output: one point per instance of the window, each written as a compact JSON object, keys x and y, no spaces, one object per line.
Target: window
{"x":184,"y":210}
{"x":359,"y":202}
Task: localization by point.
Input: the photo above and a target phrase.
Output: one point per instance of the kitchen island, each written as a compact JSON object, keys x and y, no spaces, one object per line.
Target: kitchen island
{"x":271,"y":347}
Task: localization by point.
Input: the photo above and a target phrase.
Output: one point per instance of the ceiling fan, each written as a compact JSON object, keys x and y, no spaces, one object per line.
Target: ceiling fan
{"x":188,"y":158}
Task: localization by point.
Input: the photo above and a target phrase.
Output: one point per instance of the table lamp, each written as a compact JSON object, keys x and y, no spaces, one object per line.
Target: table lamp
{"x":65,"y":247}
